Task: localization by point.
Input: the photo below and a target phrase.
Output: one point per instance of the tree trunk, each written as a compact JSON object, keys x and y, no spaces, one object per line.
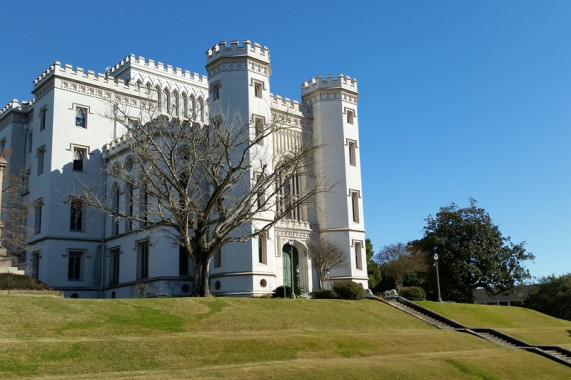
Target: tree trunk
{"x":201,"y":276}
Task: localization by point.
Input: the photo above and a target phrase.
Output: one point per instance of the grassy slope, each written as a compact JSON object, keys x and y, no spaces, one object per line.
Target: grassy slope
{"x":243,"y":338}
{"x":525,"y":324}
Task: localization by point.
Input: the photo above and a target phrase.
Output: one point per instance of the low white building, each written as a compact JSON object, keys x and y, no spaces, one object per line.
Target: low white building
{"x":61,"y":139}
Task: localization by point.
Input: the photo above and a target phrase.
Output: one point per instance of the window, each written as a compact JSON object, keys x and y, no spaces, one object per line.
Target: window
{"x":143,"y":206}
{"x":355,"y":205}
{"x":81,"y":117}
{"x":26,"y":182}
{"x":115,"y":205}
{"x":216,"y":91}
{"x":350,"y":116}
{"x":143,"y":259}
{"x":352,"y":153}
{"x":182,"y":262}
{"x":38,"y":216}
{"x":218,"y":259}
{"x":174,"y":104}
{"x":261,"y":195}
{"x":184,"y":105}
{"x":358,"y":255}
{"x":43,"y":113}
{"x":288,"y":198}
{"x":35,"y":264}
{"x":258,"y":87}
{"x":165,"y":101}
{"x":129,"y":206}
{"x":114,"y":261}
{"x":262,"y":249}
{"x":41,"y":156}
{"x":259,"y":129}
{"x":76,"y":215}
{"x":79,"y":157}
{"x":129,"y":163}
{"x":201,"y":108}
{"x":30,"y":136}
{"x":2,"y":146}
{"x":74,"y":265}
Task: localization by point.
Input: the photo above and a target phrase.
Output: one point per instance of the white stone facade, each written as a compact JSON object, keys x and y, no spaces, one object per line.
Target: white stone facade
{"x":63,"y":137}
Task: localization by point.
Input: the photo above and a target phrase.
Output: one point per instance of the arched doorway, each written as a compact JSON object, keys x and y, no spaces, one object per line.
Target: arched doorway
{"x":290,"y":256}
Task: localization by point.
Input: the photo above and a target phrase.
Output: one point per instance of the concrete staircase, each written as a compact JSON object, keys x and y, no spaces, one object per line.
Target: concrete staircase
{"x":555,"y":353}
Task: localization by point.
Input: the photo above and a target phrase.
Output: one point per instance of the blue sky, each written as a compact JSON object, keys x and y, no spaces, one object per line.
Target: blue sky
{"x":458,"y":99}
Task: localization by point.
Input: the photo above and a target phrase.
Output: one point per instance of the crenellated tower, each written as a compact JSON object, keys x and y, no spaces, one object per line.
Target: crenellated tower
{"x":238,"y":96}
{"x":333,"y":105}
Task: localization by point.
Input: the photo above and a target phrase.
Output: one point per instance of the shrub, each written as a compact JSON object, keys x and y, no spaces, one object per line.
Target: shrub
{"x":349,"y":290}
{"x":413,"y":293}
{"x":323,"y":294}
{"x":279,"y":292}
{"x":11,"y":281}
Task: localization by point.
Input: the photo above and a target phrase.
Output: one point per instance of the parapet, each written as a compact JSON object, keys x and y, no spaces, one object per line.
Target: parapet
{"x":222,"y":50}
{"x":158,"y":68}
{"x":317,"y":83}
{"x":15,"y":105}
{"x":285,"y":105}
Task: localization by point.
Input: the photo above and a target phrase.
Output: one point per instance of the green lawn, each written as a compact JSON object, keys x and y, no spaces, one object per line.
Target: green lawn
{"x":525,"y":324}
{"x":45,"y":337}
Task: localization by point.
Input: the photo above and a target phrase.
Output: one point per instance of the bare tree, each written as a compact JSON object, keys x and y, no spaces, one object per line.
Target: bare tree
{"x":325,"y":255}
{"x":400,"y":260}
{"x":204,"y":185}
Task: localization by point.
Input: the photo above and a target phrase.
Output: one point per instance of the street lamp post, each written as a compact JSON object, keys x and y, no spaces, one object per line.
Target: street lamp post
{"x":437,"y":277}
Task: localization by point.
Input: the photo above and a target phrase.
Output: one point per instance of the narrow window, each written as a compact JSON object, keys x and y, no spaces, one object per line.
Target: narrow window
{"x":192,"y":108}
{"x":259,"y":129}
{"x":43,"y":113}
{"x":261,"y":195}
{"x":216,"y":91}
{"x":38,"y":216}
{"x":262,"y":249}
{"x":81,"y":117}
{"x":258,"y":89}
{"x":350,"y":116}
{"x":129,"y":206}
{"x":30,"y":139}
{"x":218,"y":259}
{"x":358,"y":255}
{"x":165,"y":101}
{"x":143,"y":259}
{"x":143,"y":206}
{"x":41,"y":156}
{"x":79,"y":156}
{"x":115,"y":205}
{"x":174,"y":104}
{"x":182,"y":261}
{"x":74,"y":265}
{"x":35,"y":264}
{"x":355,"y":205}
{"x":2,"y":146}
{"x":352,"y":153}
{"x":76,"y":215}
{"x":114,"y":261}
{"x":201,"y":108}
{"x":26,"y":182}
{"x":184,"y":105}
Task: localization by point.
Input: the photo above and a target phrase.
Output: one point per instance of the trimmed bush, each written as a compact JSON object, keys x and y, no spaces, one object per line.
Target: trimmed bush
{"x":413,"y":293}
{"x":349,"y":290}
{"x":279,"y":292}
{"x":12,"y":281}
{"x":323,"y":294}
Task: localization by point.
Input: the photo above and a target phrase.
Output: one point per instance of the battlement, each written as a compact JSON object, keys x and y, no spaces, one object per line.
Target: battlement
{"x":317,"y":83}
{"x":116,"y":146}
{"x":15,"y":105}
{"x":285,"y":105}
{"x":158,"y":67}
{"x":68,"y":71}
{"x":222,"y":50}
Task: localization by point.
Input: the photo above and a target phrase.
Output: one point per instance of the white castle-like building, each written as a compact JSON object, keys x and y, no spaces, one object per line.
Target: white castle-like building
{"x":61,"y":139}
